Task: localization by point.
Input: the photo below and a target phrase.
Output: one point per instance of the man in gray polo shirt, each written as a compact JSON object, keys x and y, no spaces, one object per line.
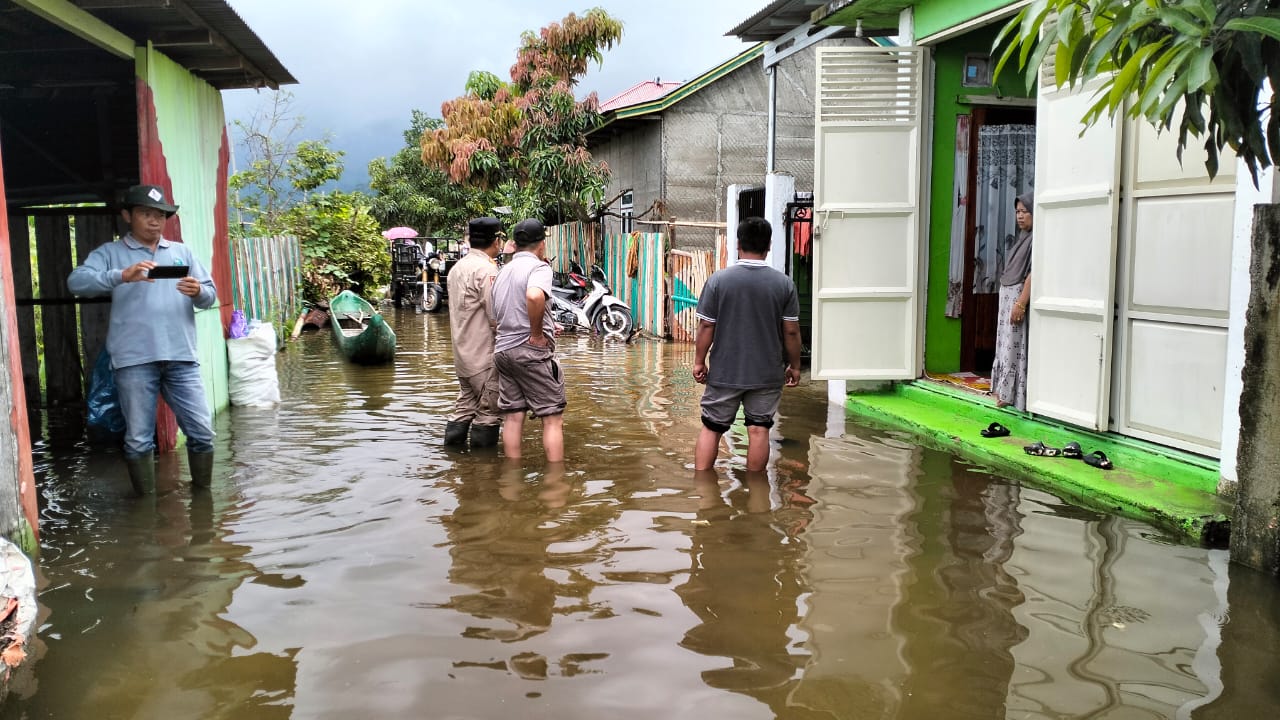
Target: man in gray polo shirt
{"x":529,"y":378}
{"x":749,"y":319}
{"x":152,"y":333}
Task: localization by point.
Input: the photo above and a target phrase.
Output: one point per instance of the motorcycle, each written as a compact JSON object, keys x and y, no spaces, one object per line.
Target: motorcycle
{"x":586,"y":302}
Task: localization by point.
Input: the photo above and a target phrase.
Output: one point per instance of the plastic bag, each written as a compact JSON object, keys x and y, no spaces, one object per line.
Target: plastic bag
{"x":238,"y":328}
{"x":104,"y":403}
{"x":252,"y":359}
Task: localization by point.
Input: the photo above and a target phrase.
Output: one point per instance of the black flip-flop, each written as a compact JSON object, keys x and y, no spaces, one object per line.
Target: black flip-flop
{"x":1072,"y":450}
{"x":1042,"y":450}
{"x":995,"y":430}
{"x":1098,"y":459}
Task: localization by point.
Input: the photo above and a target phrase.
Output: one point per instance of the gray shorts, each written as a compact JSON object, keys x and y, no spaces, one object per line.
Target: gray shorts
{"x":759,"y":405}
{"x":529,"y":379}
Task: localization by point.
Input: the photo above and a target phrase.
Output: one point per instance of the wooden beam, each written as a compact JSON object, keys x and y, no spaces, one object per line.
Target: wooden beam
{"x":95,"y":318}
{"x":62,"y":374}
{"x":78,"y":22}
{"x":223,"y":43}
{"x":182,"y":39}
{"x":20,"y":255}
{"x":121,"y":4}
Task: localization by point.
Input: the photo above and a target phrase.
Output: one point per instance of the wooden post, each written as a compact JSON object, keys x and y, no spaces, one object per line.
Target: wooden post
{"x":19,"y":514}
{"x":92,"y":231}
{"x":20,"y":251}
{"x":62,"y":375}
{"x":1255,"y":527}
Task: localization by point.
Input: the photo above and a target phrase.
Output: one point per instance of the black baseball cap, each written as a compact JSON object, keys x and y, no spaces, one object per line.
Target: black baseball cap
{"x":151,"y":196}
{"x":529,"y":232}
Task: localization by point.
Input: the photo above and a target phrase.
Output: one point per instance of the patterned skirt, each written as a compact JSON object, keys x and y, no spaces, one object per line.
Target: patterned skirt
{"x":1009,"y":373}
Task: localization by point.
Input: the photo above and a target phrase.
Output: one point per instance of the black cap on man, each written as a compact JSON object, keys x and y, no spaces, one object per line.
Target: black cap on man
{"x":481,"y":232}
{"x":151,"y":196}
{"x":529,"y":232}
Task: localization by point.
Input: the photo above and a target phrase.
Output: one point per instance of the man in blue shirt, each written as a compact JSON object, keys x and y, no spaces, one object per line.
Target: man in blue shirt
{"x":749,"y":320}
{"x":152,"y":333}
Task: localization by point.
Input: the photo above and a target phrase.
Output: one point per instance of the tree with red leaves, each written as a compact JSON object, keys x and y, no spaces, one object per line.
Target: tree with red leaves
{"x":525,"y":140}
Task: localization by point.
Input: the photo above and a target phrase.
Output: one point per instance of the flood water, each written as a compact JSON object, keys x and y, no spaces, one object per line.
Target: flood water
{"x":345,"y":565}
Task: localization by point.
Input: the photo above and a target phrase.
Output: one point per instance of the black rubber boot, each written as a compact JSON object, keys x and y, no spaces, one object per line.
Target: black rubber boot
{"x":142,"y":473}
{"x":455,"y":433}
{"x":201,"y":465}
{"x":483,"y":436}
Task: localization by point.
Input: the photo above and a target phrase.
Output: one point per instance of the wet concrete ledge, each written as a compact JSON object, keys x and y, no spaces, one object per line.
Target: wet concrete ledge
{"x":1173,"y":490}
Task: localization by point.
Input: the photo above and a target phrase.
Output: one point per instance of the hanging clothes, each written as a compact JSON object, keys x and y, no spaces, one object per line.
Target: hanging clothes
{"x":1006,"y":169}
{"x":802,"y":232}
{"x":959,"y":219}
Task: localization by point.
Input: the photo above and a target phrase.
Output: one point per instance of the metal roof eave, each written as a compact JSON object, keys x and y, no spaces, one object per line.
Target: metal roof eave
{"x":876,"y":16}
{"x":684,"y":90}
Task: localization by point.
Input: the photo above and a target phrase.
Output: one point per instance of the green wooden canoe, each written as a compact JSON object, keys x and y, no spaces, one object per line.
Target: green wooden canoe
{"x":360,"y":331}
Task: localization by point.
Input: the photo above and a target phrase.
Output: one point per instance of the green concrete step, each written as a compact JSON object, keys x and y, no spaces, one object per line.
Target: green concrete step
{"x":1173,"y":490}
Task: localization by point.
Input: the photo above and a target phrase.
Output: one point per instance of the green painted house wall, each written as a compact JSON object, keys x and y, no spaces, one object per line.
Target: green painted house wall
{"x":942,"y":334}
{"x":190,"y":122}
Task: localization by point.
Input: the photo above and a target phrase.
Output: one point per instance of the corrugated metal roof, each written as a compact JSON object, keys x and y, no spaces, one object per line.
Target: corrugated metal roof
{"x":641,"y":92}
{"x":673,"y":96}
{"x":205,"y":36}
{"x":776,"y":19}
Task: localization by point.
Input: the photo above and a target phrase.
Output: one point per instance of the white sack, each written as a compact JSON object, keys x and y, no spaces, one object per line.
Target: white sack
{"x":253,"y":368}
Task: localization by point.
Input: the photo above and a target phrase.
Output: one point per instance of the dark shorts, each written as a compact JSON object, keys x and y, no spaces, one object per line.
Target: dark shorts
{"x":720,"y":404}
{"x":529,"y":379}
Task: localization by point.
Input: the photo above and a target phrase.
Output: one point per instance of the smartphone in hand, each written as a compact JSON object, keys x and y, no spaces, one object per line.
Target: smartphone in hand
{"x":168,"y":272}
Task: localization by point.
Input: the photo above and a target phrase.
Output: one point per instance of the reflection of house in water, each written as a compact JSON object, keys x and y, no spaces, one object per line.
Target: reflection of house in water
{"x":935,"y":590}
{"x":1116,"y":626}
{"x":856,"y":566}
{"x":959,"y":623}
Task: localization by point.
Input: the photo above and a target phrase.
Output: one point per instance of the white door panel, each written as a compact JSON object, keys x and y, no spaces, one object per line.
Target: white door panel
{"x":1073,"y":261}
{"x":1173,"y":388}
{"x":867,"y":180}
{"x":1175,"y":284}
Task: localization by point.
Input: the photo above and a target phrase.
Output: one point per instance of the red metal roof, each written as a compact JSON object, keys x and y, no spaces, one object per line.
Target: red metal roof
{"x":641,"y":92}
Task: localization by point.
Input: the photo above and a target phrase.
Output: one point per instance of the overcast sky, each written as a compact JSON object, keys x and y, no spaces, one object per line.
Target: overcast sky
{"x":362,"y":67}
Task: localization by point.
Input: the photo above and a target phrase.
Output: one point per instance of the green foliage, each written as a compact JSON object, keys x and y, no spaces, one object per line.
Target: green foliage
{"x":342,"y":246}
{"x":1165,"y":61}
{"x":278,"y":194}
{"x":526,"y":140}
{"x":408,"y":192}
{"x":313,"y":164}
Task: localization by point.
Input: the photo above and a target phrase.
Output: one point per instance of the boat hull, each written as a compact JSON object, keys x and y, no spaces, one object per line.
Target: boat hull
{"x":360,"y":331}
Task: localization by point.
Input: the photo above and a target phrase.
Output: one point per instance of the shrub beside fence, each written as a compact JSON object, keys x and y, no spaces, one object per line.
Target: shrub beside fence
{"x":267,"y":274}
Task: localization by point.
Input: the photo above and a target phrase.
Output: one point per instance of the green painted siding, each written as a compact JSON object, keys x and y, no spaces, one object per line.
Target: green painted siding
{"x":190,"y":121}
{"x":934,"y":16}
{"x":942,"y":334}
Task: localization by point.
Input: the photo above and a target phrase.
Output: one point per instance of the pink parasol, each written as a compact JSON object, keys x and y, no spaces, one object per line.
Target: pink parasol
{"x":397,"y":233}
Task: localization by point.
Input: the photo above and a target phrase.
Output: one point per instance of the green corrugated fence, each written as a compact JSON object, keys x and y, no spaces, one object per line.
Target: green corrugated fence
{"x":267,"y":273}
{"x":571,"y":241}
{"x":645,"y":290}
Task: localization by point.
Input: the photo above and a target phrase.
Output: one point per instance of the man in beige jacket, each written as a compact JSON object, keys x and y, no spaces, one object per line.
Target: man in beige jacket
{"x":470,"y":303}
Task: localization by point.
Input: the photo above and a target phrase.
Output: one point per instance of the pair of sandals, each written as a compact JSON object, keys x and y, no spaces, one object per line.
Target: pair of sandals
{"x":1071,"y":450}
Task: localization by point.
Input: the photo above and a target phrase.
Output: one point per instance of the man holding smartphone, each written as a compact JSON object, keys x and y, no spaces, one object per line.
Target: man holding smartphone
{"x":155,"y":286}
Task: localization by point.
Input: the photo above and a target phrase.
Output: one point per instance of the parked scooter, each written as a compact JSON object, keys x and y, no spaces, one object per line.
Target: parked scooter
{"x":587,"y":302}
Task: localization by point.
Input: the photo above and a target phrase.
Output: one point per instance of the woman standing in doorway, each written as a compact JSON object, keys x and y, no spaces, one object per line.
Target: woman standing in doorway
{"x":1009,"y":374}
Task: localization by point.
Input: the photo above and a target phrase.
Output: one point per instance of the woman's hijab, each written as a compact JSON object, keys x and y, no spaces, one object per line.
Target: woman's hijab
{"x":1017,"y":259}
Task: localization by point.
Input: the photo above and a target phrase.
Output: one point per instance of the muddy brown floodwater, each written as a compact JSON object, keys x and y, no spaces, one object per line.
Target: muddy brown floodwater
{"x":345,"y":566}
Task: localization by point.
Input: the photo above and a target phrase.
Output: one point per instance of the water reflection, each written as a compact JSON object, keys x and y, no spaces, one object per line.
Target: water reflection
{"x":346,"y":565}
{"x":737,"y":542}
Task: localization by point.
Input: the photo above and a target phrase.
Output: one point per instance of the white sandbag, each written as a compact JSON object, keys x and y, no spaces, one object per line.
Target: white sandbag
{"x":253,"y":368}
